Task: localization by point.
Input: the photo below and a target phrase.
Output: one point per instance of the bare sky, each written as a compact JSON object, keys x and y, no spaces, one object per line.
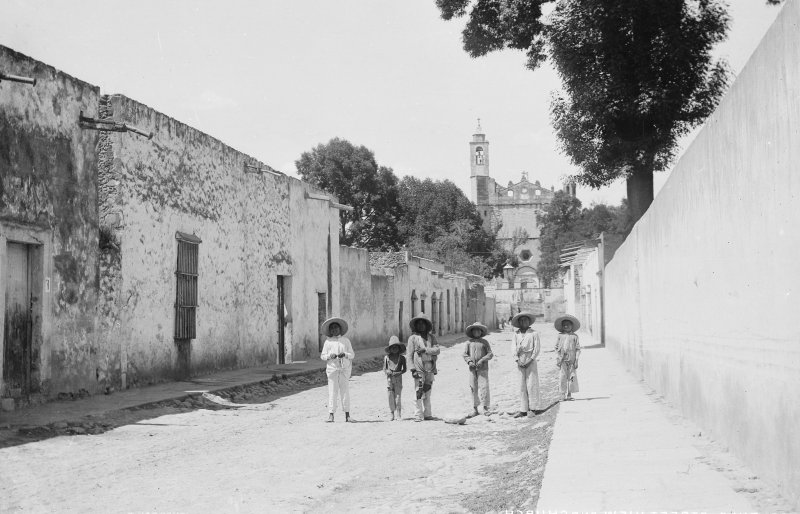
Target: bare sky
{"x":274,"y":79}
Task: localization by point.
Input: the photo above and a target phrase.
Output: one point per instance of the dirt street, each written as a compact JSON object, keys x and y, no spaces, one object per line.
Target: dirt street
{"x":280,"y":455}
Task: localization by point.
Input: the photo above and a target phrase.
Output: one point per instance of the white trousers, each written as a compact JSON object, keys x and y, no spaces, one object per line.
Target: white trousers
{"x":338,"y":387}
{"x":528,"y":387}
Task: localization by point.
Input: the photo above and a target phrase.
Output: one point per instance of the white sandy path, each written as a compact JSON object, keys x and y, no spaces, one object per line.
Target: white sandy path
{"x":280,"y":456}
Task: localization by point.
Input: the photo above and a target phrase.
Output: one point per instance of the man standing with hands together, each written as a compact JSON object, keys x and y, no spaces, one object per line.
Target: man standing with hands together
{"x":526,"y":349}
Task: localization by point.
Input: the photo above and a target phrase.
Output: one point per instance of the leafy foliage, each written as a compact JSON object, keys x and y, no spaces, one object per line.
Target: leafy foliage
{"x":440,"y":222}
{"x":565,"y":221}
{"x":352,"y":174}
{"x":638,"y":75}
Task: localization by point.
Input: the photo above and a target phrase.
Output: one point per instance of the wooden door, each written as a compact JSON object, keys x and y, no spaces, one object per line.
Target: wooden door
{"x":322,"y":315}
{"x":17,"y":342}
{"x":281,"y":322}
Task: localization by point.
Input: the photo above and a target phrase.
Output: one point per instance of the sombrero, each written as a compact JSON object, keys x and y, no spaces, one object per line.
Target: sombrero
{"x":394,"y":341}
{"x":575,"y":323}
{"x":327,"y":323}
{"x":515,"y":320}
{"x":477,"y":325}
{"x":413,"y":322}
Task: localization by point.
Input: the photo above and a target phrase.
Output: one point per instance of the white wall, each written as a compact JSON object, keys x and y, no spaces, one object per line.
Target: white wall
{"x":702,"y":297}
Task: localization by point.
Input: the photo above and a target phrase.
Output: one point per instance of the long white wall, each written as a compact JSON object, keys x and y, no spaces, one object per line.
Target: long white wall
{"x":703,"y":296}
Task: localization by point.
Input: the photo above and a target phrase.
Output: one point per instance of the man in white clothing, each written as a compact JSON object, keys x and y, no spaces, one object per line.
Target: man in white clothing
{"x":338,"y":351}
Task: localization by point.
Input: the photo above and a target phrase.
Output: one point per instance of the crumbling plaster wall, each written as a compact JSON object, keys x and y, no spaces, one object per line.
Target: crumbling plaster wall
{"x":184,"y":180}
{"x":48,"y":198}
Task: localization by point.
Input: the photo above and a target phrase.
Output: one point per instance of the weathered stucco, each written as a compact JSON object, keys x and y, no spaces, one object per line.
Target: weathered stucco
{"x":48,"y":200}
{"x":702,"y":297}
{"x":253,"y":226}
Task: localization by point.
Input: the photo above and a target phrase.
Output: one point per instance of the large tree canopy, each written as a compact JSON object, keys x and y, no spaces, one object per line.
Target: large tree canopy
{"x":638,"y":74}
{"x":352,"y":174}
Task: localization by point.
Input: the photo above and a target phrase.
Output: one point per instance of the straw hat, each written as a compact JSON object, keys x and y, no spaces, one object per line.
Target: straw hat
{"x":394,"y":341}
{"x":422,"y":316}
{"x":575,"y":323}
{"x":515,"y":320}
{"x":477,"y":325}
{"x":327,"y":323}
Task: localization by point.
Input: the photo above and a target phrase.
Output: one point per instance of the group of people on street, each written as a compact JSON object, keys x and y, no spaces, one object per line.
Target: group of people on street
{"x":420,"y":353}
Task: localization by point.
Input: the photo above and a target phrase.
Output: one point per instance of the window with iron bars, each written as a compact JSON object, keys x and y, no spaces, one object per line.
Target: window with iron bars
{"x":186,"y":286}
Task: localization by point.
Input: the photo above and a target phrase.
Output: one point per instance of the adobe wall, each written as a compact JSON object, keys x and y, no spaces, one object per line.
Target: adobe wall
{"x":363,"y":300}
{"x":702,"y":297}
{"x":253,"y":226}
{"x":48,"y":195}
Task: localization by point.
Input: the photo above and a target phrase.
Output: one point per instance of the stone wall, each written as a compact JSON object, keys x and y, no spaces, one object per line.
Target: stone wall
{"x":48,"y":201}
{"x":700,"y":299}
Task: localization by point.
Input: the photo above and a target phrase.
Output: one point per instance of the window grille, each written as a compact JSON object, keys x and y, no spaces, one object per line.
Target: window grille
{"x":186,"y":286}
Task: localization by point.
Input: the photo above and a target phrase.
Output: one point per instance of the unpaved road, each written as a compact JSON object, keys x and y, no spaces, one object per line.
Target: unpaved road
{"x":281,"y":456}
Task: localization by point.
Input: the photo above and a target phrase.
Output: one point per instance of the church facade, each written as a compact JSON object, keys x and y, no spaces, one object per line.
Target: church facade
{"x":510,"y":210}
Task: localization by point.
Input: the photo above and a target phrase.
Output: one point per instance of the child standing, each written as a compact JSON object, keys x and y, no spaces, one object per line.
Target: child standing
{"x":423,"y":350}
{"x":338,"y":351}
{"x":568,"y":349}
{"x":477,"y":354}
{"x":526,"y":347}
{"x":394,"y":365}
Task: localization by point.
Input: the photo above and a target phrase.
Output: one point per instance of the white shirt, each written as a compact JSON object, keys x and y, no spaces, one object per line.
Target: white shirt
{"x":526,"y":346}
{"x":335,"y":346}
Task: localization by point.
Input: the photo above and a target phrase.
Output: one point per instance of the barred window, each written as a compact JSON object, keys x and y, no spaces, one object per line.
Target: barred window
{"x":186,"y":286}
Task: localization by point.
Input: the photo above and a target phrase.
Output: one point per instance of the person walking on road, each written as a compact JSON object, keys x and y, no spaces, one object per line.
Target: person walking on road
{"x":526,"y":349}
{"x":338,"y":352}
{"x":421,"y":356}
{"x":568,"y":349}
{"x":477,"y":354}
{"x":394,"y":365}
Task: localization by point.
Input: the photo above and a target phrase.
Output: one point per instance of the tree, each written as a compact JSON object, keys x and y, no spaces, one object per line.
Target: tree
{"x":439,"y":222}
{"x":354,"y":177}
{"x":557,"y":228}
{"x":565,"y":221}
{"x":637,"y":74}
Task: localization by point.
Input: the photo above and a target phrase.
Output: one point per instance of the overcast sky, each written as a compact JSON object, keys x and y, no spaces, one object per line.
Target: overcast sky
{"x":274,"y":79}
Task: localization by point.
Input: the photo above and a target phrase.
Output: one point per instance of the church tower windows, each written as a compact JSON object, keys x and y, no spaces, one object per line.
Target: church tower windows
{"x":479,"y":155}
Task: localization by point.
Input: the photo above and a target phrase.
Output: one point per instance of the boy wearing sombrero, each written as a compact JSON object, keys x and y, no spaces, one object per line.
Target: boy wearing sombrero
{"x":526,"y":349}
{"x":477,"y":354}
{"x":568,"y":349}
{"x":394,"y":365}
{"x":421,"y":356}
{"x":338,"y":352}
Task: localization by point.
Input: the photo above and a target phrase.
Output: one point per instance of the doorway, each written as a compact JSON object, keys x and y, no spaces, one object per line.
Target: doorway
{"x":400,"y":321}
{"x":281,"y":322}
{"x":322,"y":315}
{"x":18,"y":326}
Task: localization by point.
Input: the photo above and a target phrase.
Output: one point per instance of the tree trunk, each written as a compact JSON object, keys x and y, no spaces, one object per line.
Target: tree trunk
{"x":640,"y":193}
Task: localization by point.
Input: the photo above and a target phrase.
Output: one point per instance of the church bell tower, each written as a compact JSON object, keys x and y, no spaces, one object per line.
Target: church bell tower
{"x":479,"y":166}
